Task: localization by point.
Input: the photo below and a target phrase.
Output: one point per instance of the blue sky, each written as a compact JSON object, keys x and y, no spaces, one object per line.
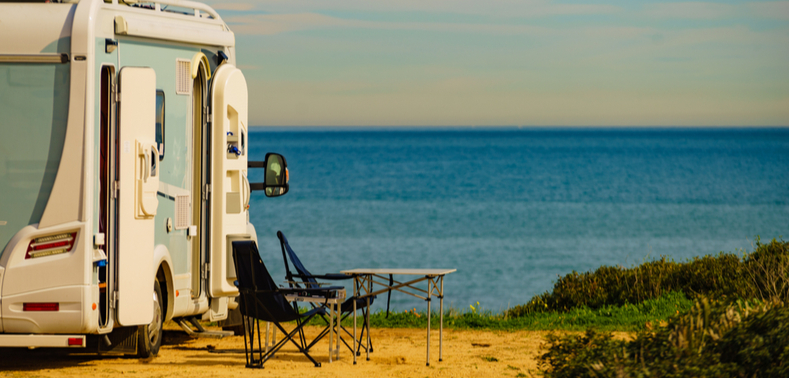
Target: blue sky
{"x":504,"y":62}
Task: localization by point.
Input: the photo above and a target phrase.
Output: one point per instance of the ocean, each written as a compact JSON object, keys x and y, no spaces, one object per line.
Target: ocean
{"x":512,"y":209}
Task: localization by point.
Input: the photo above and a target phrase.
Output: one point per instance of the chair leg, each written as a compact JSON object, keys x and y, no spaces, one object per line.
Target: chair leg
{"x":287,"y":336}
{"x":251,"y":328}
{"x":299,"y":329}
{"x":360,"y":345}
{"x":318,"y":338}
{"x":256,"y":357}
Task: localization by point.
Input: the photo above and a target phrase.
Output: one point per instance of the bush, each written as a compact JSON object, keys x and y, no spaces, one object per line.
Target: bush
{"x":739,"y":339}
{"x":758,"y":348}
{"x":760,"y":274}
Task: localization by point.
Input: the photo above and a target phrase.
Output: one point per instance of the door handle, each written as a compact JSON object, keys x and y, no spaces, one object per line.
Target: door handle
{"x":246,"y":192}
{"x":147,"y":163}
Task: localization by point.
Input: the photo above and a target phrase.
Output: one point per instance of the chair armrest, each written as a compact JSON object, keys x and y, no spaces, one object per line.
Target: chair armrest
{"x":302,"y":283}
{"x":327,"y":292}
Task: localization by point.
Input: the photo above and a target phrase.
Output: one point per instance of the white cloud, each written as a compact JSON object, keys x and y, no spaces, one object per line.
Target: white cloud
{"x":499,"y":8}
{"x":234,"y":6}
{"x":270,"y":24}
{"x":692,"y":10}
{"x":512,"y":9}
{"x":716,"y":11}
{"x":768,"y":9}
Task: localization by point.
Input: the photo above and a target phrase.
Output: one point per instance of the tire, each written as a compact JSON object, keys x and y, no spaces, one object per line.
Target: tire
{"x":149,"y":337}
{"x":234,"y":322}
{"x":238,"y":330}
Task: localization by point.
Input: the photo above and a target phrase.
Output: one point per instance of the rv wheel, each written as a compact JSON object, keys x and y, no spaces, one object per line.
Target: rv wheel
{"x":150,"y":336}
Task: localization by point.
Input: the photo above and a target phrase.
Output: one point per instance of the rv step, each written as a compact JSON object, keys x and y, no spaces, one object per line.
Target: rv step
{"x":201,"y":332}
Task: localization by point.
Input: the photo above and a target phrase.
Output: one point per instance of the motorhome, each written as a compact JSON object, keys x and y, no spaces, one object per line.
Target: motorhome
{"x":123,"y":171}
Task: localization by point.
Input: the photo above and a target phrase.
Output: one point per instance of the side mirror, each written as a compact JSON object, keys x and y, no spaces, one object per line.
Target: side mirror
{"x":275,"y":181}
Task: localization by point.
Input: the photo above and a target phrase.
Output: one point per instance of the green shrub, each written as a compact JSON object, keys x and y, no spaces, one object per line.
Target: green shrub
{"x":739,"y":339}
{"x":759,"y":347}
{"x":594,"y":354}
{"x":760,"y":274}
{"x":766,"y":269}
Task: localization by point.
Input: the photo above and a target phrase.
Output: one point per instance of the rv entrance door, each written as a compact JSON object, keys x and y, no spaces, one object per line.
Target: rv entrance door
{"x":230,"y":194}
{"x":138,"y":181}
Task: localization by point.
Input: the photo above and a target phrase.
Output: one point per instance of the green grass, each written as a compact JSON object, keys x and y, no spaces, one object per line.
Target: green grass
{"x":629,"y":317}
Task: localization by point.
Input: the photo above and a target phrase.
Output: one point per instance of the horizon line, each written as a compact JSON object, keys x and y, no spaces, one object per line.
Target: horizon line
{"x":524,"y":126}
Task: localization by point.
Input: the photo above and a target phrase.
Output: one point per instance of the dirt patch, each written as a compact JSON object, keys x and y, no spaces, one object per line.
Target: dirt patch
{"x":397,"y":353}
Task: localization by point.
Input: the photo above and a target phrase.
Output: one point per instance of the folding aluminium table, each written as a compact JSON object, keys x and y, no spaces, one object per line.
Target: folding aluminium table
{"x":363,"y":288}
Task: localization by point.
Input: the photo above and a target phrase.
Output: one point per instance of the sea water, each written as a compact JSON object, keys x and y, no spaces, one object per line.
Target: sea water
{"x":512,"y":209}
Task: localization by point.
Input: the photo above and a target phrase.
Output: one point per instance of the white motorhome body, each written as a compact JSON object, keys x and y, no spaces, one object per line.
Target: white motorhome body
{"x":123,"y":162}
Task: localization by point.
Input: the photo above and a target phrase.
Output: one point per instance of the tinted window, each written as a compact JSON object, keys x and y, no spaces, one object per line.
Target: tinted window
{"x":160,"y":123}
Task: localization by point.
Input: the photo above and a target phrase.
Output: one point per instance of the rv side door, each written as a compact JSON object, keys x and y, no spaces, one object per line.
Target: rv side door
{"x":230,"y":192}
{"x":138,"y":181}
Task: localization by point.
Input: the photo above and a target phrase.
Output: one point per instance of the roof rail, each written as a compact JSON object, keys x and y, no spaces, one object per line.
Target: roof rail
{"x":157,"y":6}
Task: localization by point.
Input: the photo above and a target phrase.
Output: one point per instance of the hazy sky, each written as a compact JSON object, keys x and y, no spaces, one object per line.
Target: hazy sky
{"x":503,"y":62}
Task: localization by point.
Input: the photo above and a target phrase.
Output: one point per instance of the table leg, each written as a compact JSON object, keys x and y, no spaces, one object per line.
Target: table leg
{"x":274,"y":335}
{"x":266,"y":337}
{"x":441,"y":314}
{"x":367,"y":315}
{"x":331,"y":325}
{"x":428,"y":348}
{"x":354,"y":352}
{"x":337,"y":329}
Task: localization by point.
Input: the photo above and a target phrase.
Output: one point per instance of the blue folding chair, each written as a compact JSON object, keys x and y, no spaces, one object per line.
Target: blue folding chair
{"x":304,"y":279}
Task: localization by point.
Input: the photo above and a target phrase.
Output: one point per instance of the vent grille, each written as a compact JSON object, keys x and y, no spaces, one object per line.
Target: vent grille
{"x":182,"y":211}
{"x":183,"y":77}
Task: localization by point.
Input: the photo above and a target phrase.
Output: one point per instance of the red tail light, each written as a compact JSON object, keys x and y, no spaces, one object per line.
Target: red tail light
{"x":40,"y":306}
{"x":75,"y":341}
{"x":50,"y":245}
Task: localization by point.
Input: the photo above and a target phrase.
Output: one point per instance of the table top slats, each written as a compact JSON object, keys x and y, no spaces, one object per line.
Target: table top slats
{"x":414,"y":272}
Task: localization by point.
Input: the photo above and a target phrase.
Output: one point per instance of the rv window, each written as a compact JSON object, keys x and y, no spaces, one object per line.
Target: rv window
{"x":160,"y":123}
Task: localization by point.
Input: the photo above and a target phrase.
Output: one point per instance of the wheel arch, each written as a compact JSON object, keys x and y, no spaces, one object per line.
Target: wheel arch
{"x":163,"y":266}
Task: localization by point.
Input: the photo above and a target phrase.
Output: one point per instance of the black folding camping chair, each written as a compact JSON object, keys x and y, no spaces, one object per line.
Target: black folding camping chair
{"x":261,"y":299}
{"x":304,"y":279}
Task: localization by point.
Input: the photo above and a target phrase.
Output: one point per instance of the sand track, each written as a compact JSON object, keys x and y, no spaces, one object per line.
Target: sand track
{"x":397,"y":353}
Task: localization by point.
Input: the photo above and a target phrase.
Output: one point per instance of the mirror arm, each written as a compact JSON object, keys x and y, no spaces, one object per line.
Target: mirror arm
{"x":256,"y":185}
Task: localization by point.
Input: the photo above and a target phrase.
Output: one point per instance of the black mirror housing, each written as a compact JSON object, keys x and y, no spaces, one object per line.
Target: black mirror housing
{"x":276,"y":176}
{"x":275,"y":182}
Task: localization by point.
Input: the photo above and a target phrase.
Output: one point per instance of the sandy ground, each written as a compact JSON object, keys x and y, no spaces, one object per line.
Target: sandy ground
{"x":397,"y":353}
